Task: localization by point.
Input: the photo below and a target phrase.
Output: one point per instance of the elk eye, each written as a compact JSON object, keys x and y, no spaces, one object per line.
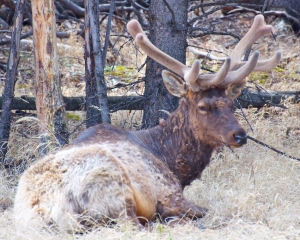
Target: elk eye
{"x":202,"y":109}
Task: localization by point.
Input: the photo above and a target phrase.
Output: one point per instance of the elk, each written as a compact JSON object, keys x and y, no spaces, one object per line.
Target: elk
{"x":109,"y":173}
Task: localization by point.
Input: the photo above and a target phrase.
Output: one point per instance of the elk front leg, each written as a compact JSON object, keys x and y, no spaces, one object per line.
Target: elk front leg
{"x":176,"y":205}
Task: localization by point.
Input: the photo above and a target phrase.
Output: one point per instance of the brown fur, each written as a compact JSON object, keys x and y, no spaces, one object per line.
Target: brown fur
{"x":109,"y":173}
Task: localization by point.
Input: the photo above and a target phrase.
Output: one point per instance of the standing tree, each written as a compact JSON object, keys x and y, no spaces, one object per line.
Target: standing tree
{"x":168,"y":31}
{"x":49,"y":101}
{"x":96,"y":97}
{"x":10,"y":79}
{"x":93,"y":115}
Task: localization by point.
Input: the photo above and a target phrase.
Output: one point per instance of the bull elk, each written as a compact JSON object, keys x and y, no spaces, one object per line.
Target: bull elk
{"x":109,"y":173}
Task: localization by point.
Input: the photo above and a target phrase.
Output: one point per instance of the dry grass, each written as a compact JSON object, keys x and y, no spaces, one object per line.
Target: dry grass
{"x":251,"y":193}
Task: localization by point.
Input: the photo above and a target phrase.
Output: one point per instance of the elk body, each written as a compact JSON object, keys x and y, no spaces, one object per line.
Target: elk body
{"x":110,"y":173}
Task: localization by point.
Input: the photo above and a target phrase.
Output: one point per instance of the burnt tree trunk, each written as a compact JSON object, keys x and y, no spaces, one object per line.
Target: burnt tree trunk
{"x":49,"y":100}
{"x":93,"y":114}
{"x":8,"y":92}
{"x":168,"y":31}
{"x":92,"y":14}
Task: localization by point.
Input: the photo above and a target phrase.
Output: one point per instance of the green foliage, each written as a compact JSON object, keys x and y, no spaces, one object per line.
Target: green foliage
{"x":279,"y":69}
{"x":259,"y":77}
{"x":294,"y":76}
{"x":121,"y":71}
{"x":22,"y":85}
{"x":73,"y":117}
{"x":160,"y":228}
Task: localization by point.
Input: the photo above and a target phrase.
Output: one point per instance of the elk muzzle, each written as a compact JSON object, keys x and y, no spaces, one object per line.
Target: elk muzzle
{"x":239,"y":138}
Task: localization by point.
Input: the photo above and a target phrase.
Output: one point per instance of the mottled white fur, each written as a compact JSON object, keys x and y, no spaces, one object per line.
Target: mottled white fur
{"x":95,"y":181}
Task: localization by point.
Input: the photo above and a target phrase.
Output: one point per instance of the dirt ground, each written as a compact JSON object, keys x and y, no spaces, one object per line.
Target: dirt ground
{"x":251,"y":192}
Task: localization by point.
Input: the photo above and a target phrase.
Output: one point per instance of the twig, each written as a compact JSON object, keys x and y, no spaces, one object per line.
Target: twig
{"x":140,"y":68}
{"x":108,"y":27}
{"x":205,"y":32}
{"x":117,"y":54}
{"x":120,"y":85}
{"x":80,"y":124}
{"x":273,"y":149}
{"x":207,"y":49}
{"x":241,"y":108}
{"x":266,"y":3}
{"x":172,"y":13}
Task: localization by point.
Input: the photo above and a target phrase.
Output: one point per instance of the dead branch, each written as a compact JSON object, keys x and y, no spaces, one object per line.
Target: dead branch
{"x":28,"y":34}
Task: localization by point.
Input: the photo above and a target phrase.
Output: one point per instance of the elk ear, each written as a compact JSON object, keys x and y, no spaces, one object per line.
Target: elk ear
{"x":175,"y":85}
{"x":234,"y":90}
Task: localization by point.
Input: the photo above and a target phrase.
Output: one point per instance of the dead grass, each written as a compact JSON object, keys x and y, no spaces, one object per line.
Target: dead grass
{"x":251,"y":193}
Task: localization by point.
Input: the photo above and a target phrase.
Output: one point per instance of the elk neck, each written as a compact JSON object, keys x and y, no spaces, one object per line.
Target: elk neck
{"x":174,"y":142}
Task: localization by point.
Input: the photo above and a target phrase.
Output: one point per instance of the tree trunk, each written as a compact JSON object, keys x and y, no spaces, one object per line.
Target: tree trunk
{"x":93,"y":114}
{"x":92,"y":12}
{"x":168,"y":31}
{"x":49,"y":104}
{"x":8,"y":93}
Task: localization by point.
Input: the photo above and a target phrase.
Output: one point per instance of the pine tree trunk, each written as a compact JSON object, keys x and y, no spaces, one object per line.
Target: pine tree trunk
{"x":49,"y":101}
{"x":168,"y":31}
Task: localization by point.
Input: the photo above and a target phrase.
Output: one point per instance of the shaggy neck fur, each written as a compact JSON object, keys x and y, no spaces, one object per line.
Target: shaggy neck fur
{"x":174,"y":142}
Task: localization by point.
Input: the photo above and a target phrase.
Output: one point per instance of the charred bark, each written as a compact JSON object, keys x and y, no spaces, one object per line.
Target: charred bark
{"x":10,"y":79}
{"x":168,"y":31}
{"x":92,"y":13}
{"x":93,"y":114}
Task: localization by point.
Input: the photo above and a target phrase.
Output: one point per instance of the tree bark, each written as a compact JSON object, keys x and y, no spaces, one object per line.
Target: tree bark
{"x":93,"y":114}
{"x":168,"y":31}
{"x":10,"y":79}
{"x":49,"y":104}
{"x":92,"y":12}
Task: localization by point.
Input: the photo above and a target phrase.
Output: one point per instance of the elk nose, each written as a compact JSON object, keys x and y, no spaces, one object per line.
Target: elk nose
{"x":240,"y":139}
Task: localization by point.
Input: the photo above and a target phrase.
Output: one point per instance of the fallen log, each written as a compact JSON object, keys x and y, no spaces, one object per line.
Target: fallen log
{"x":116,"y":103}
{"x":262,"y":98}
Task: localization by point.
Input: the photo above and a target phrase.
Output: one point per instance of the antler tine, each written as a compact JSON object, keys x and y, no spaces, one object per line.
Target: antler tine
{"x":264,"y":65}
{"x":212,"y":79}
{"x":144,"y":43}
{"x":240,"y":74}
{"x":192,"y":75}
{"x":258,"y":29}
{"x":134,"y":28}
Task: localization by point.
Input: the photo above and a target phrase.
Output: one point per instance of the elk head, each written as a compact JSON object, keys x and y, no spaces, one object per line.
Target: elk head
{"x":209,"y":97}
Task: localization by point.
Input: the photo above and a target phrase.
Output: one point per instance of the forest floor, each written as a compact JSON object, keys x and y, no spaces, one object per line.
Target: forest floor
{"x":251,"y":192}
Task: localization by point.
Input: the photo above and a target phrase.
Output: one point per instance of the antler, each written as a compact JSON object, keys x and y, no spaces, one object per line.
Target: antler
{"x":233,"y":70}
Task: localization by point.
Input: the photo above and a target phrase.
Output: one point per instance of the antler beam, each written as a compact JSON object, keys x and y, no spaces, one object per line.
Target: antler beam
{"x":233,"y":69}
